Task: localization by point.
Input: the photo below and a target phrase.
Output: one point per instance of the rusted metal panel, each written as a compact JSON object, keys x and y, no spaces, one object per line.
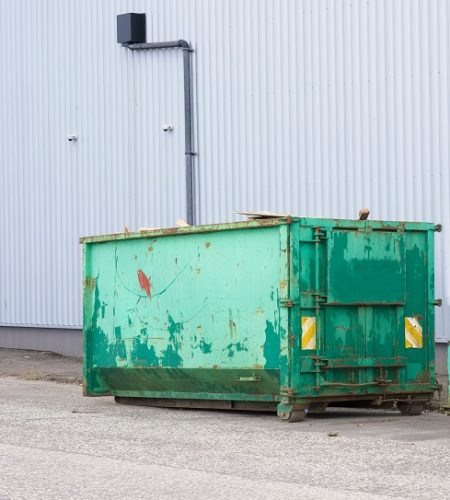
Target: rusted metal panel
{"x":241,"y":312}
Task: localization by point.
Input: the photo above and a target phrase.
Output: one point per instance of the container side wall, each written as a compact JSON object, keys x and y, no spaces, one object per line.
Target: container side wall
{"x":189,"y":313}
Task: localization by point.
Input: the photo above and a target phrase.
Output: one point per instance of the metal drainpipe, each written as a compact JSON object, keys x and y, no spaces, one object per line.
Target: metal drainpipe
{"x":188,"y":129}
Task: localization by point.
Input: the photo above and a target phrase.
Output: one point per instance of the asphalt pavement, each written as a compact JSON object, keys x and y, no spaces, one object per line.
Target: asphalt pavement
{"x":56,"y":444}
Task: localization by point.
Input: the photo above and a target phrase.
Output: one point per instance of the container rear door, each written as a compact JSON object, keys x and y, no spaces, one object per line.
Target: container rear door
{"x":352,"y":290}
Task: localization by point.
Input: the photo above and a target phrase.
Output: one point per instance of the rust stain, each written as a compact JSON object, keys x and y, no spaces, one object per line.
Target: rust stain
{"x":89,"y":283}
{"x":232,"y":327}
{"x":144,"y":282}
{"x":207,"y":244}
{"x":150,"y":249}
{"x":197,"y":270}
{"x":282,"y":284}
{"x":270,"y":221}
{"x":423,"y":376}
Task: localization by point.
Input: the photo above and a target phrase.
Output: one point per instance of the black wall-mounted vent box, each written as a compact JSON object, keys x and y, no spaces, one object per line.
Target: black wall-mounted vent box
{"x":131,"y":28}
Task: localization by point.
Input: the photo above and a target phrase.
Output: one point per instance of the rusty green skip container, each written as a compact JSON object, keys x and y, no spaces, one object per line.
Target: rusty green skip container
{"x":289,"y":314}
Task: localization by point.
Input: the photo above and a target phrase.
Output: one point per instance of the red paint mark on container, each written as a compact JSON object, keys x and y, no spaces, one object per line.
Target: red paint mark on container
{"x":144,"y":282}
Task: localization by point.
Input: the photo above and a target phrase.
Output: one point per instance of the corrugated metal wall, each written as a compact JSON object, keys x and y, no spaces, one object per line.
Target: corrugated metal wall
{"x":314,"y":107}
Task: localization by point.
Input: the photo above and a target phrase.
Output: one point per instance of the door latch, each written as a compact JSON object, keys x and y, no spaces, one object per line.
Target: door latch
{"x":288,"y":303}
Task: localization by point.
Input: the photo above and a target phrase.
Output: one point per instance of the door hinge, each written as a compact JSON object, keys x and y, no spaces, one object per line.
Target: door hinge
{"x":322,"y":234}
{"x":319,"y":236}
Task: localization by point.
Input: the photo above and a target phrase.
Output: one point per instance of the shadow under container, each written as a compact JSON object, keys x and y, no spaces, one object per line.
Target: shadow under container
{"x":287,"y":314}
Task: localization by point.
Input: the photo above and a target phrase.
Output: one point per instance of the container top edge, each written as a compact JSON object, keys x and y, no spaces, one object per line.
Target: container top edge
{"x":262,"y":222}
{"x":170,"y":231}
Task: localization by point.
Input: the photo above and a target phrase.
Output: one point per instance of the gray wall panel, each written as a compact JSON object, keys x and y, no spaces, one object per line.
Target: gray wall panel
{"x":68,"y":342}
{"x":442,"y":369}
{"x":313,"y":107}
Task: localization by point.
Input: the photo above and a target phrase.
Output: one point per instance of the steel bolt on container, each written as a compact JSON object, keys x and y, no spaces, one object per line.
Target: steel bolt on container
{"x":289,"y":314}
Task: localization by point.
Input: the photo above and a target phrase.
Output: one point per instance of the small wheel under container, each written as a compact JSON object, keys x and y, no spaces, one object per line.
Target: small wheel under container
{"x":291,"y":412}
{"x":296,"y":416}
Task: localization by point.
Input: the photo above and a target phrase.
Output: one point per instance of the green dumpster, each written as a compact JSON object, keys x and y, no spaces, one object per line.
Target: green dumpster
{"x":289,"y":314}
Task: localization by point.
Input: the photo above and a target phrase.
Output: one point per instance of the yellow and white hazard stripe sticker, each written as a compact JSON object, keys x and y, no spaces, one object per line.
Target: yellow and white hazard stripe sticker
{"x":308,"y":332}
{"x":413,"y":334}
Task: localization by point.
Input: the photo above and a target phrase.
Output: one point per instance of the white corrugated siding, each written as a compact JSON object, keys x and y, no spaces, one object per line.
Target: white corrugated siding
{"x":314,"y":107}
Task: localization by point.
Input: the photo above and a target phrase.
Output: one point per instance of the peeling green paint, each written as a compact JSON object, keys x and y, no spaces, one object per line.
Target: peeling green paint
{"x":235,"y":347}
{"x":143,"y":353}
{"x":120,"y":349}
{"x":170,"y":357}
{"x":271,"y":346}
{"x":205,"y":347}
{"x":235,"y":327}
{"x":105,"y":351}
{"x":174,"y":328}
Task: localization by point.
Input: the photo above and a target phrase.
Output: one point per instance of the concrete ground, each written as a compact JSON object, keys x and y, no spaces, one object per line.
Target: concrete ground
{"x":56,"y":444}
{"x":36,"y":365}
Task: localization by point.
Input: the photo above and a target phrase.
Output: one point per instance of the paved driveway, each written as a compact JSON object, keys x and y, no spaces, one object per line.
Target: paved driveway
{"x":56,"y":444}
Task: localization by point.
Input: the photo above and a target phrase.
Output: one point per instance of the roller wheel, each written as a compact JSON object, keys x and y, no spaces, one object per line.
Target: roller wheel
{"x":296,"y":416}
{"x":291,"y":412}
